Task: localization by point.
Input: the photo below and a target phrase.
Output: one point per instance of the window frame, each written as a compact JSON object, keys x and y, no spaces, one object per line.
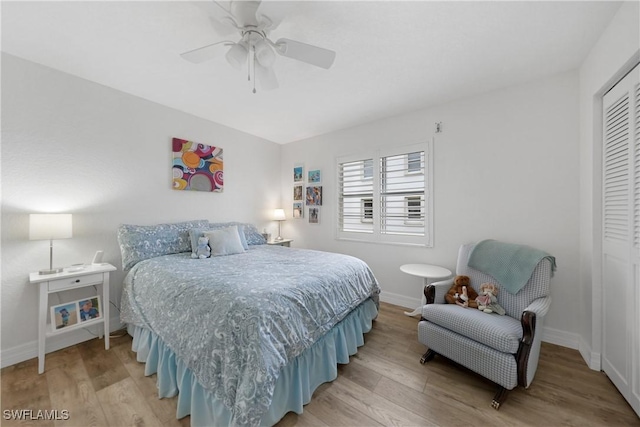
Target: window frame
{"x":377,"y":236}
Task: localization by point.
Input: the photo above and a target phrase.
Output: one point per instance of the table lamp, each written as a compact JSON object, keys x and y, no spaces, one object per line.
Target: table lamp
{"x":278,"y":215}
{"x":50,"y":227}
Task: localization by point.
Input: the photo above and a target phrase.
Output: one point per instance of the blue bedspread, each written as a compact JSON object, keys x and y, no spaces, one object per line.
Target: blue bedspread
{"x":237,"y":320}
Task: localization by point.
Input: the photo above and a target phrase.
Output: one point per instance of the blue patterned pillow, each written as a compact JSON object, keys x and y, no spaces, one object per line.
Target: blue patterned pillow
{"x":140,"y":242}
{"x":251,"y":233}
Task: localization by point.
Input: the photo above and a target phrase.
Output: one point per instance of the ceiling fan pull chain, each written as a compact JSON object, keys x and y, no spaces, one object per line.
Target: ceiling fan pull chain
{"x":254,"y":68}
{"x":249,"y":65}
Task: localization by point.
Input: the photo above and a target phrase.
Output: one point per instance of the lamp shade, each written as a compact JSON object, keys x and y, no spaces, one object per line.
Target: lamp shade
{"x":50,"y":226}
{"x":278,"y":215}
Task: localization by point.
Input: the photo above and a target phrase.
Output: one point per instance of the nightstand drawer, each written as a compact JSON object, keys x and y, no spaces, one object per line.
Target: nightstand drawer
{"x":75,"y":282}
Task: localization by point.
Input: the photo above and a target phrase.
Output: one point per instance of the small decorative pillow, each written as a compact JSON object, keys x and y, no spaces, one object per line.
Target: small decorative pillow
{"x":196,"y":233}
{"x":224,"y":241}
{"x":251,"y":233}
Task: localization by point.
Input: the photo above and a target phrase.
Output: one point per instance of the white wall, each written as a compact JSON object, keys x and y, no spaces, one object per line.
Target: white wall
{"x":70,"y":145}
{"x":617,"y":49}
{"x":506,"y":167}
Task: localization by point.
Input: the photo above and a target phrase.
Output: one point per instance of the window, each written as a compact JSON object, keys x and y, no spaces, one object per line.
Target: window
{"x":356,"y":215}
{"x":385,"y":196}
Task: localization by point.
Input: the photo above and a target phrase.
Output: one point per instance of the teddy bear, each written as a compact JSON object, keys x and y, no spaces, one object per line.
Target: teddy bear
{"x":203,"y":250}
{"x":487,"y":300}
{"x":462,"y":293}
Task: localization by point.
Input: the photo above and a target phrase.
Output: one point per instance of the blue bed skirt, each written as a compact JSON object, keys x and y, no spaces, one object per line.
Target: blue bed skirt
{"x":297,"y":382}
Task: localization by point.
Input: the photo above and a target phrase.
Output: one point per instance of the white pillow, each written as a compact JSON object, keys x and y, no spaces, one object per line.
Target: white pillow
{"x":224,"y":241}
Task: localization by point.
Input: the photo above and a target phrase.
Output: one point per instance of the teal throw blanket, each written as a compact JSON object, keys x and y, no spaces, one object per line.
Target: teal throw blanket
{"x":510,"y":264}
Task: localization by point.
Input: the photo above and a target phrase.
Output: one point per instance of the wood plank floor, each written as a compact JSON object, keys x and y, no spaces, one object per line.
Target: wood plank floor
{"x":383,"y":385}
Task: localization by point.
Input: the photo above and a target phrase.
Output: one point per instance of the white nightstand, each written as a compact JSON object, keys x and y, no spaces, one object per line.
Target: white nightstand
{"x":89,"y":275}
{"x":283,"y":242}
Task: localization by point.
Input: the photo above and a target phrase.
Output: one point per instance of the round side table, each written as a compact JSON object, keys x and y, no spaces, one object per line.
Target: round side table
{"x":429,"y":273}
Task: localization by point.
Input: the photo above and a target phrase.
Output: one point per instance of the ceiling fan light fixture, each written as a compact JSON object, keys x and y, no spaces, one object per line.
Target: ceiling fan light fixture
{"x":237,"y":55}
{"x":264,"y":54}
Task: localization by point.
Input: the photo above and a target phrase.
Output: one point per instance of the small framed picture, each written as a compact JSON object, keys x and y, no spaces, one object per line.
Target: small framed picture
{"x":298,"y":210}
{"x":90,"y":309}
{"x":314,"y":215}
{"x":298,"y":173}
{"x":314,"y":176}
{"x":64,"y":315}
{"x":297,"y":192}
{"x":314,"y":196}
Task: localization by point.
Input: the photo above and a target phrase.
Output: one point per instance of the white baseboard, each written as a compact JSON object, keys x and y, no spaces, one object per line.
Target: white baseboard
{"x":22,"y":352}
{"x":590,"y":357}
{"x":562,"y":338}
{"x":400,"y":300}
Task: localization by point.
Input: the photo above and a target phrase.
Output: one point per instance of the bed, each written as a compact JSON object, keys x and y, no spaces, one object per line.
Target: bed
{"x":241,"y":339}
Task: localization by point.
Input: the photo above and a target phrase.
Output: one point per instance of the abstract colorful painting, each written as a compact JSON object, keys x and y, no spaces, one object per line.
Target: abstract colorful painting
{"x":197,"y":167}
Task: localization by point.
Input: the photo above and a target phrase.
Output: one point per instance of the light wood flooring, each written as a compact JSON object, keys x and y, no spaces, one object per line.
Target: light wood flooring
{"x":383,"y":385}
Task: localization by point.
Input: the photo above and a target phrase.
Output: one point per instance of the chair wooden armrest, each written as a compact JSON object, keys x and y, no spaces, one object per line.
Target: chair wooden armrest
{"x":436,"y":291}
{"x":528,"y":321}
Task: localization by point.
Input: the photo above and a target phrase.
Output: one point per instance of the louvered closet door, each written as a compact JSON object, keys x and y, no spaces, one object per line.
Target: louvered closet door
{"x":621,"y":239}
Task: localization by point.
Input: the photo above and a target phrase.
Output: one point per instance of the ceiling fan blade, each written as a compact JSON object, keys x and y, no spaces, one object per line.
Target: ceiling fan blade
{"x":244,"y":12}
{"x":313,"y":55}
{"x":222,"y":21}
{"x":266,"y":77}
{"x":204,"y":53}
{"x":271,"y":13}
{"x":223,"y":27}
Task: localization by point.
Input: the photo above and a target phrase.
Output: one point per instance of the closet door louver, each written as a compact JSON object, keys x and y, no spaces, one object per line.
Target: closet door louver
{"x":636,"y":168}
{"x":616,"y":170}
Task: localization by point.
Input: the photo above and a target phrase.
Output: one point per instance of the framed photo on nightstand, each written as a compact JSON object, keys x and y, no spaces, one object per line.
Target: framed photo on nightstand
{"x":64,"y":315}
{"x":90,"y":308}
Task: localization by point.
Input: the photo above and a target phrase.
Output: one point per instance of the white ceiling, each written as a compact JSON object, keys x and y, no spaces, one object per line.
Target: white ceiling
{"x":392,"y":56}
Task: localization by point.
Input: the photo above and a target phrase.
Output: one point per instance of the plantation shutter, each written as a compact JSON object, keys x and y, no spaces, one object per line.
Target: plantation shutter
{"x":402,"y":194}
{"x":355,"y":200}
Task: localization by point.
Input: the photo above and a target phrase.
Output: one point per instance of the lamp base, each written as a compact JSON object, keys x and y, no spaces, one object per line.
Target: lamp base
{"x":277,"y":239}
{"x":50,"y":271}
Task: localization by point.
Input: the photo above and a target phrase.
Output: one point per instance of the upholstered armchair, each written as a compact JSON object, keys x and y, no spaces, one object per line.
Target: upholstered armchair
{"x":502,"y":348}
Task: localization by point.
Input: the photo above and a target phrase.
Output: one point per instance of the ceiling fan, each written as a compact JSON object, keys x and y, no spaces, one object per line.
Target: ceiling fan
{"x":254,"y":48}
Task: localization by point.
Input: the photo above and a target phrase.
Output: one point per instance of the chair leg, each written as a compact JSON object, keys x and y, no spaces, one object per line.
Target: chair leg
{"x":430,"y":354}
{"x":499,"y":398}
